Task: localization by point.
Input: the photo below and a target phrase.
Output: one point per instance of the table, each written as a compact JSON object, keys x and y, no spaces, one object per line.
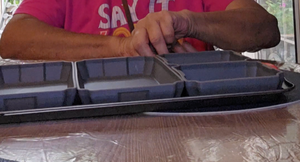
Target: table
{"x":265,"y":135}
{"x":271,"y":135}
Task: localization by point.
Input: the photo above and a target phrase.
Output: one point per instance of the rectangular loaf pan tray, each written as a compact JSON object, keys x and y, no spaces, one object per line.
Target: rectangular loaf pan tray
{"x":126,"y":79}
{"x":201,"y":57}
{"x":225,"y":102}
{"x":229,"y":77}
{"x":25,"y":114}
{"x":38,"y":85}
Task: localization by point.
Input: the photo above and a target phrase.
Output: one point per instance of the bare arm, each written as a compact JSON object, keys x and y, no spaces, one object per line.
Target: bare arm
{"x":243,"y":26}
{"x":25,"y":37}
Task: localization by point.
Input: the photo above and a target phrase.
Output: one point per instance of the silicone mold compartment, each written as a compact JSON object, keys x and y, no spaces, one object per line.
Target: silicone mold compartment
{"x":126,"y":79}
{"x":229,"y":77}
{"x":201,"y":57}
{"x":39,"y":85}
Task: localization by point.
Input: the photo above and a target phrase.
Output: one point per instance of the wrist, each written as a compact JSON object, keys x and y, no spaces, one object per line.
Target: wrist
{"x":124,"y":47}
{"x":185,"y":21}
{"x":195,"y":24}
{"x":119,"y":47}
{"x":116,"y":45}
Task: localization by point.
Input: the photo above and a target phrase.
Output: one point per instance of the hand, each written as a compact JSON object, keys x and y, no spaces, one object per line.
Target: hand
{"x":161,"y":29}
{"x":183,"y":47}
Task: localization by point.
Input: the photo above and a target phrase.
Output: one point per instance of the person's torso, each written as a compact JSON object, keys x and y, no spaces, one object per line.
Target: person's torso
{"x":107,"y":17}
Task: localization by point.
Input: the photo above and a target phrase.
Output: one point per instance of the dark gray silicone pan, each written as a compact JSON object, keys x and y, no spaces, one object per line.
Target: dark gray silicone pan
{"x":126,"y":79}
{"x":201,"y":57}
{"x":230,"y":77}
{"x":31,"y":86}
{"x":287,"y":94}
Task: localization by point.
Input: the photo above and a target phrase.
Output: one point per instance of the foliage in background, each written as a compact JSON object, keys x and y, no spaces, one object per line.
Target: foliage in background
{"x":283,"y":12}
{"x":13,"y":1}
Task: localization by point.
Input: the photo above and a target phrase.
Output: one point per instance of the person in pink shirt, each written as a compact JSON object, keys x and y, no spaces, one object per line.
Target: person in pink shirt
{"x":83,"y":29}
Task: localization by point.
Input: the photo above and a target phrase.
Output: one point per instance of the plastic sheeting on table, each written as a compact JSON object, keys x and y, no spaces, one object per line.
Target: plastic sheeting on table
{"x":271,"y":135}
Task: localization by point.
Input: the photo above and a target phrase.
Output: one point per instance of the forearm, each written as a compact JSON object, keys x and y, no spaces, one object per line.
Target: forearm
{"x":28,"y":38}
{"x":239,"y":29}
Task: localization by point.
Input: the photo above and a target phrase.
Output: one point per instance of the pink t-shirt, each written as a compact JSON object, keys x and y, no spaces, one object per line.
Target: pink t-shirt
{"x":107,"y":17}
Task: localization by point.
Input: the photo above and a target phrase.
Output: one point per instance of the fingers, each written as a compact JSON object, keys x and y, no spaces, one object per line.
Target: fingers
{"x":140,"y":42}
{"x":167,"y":29}
{"x":156,"y":32}
{"x":159,"y":28}
{"x":183,"y":48}
{"x":156,"y":38}
{"x":188,"y":47}
{"x":178,"y":48}
{"x":134,"y":45}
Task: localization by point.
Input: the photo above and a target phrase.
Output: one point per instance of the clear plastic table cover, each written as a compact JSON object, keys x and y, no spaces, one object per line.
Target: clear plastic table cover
{"x":271,"y":135}
{"x":254,"y":136}
{"x":15,"y":62}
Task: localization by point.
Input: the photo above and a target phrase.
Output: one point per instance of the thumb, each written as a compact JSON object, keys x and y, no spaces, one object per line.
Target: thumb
{"x":188,"y":47}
